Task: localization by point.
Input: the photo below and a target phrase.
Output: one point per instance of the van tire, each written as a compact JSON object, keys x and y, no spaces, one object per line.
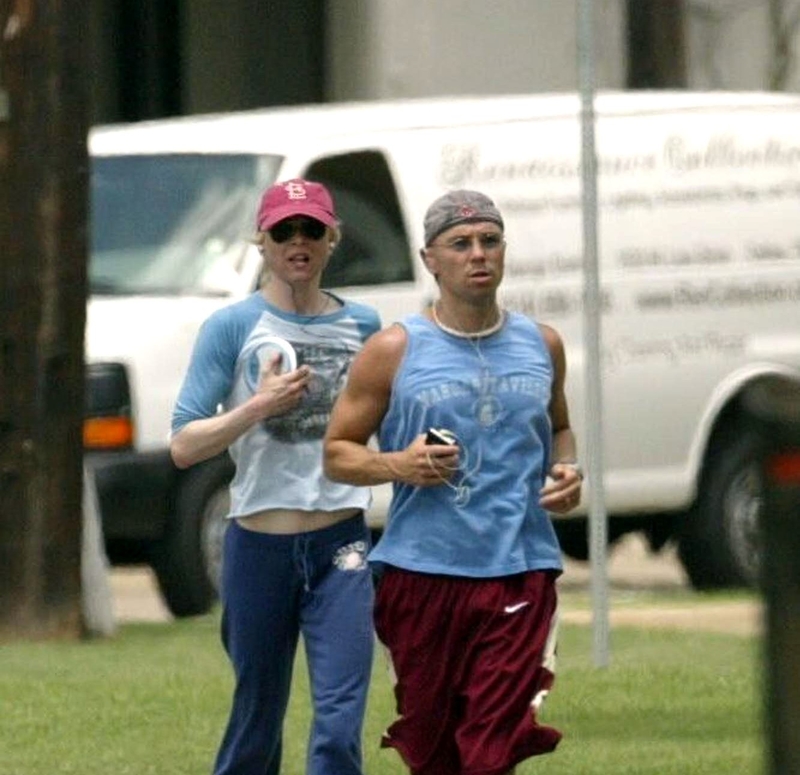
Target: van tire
{"x":718,"y":542}
{"x":573,"y":537}
{"x":187,"y":561}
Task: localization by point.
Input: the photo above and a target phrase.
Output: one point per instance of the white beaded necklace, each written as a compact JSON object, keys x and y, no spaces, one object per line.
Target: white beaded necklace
{"x":493,"y":329}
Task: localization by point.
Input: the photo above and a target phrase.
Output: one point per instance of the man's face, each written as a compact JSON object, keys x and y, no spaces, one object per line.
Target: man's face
{"x":468,"y":258}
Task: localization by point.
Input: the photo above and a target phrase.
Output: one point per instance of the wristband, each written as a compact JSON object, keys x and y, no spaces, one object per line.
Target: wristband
{"x":573,"y":464}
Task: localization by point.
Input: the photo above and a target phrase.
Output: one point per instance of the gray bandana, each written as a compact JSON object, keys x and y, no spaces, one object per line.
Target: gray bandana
{"x":456,"y":207}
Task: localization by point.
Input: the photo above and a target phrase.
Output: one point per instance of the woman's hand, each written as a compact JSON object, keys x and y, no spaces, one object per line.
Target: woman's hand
{"x":280,"y":393}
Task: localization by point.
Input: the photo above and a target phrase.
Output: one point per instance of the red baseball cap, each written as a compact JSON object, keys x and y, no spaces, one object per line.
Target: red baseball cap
{"x":295,"y":197}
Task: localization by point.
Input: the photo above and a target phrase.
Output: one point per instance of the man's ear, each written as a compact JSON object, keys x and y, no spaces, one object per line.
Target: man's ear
{"x":430,"y":263}
{"x":428,"y":260}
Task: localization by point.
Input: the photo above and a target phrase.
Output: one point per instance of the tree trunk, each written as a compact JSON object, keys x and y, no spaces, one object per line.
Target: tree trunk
{"x":784,"y":23}
{"x":43,"y":217}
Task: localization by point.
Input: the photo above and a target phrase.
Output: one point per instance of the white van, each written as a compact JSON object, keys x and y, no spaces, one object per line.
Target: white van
{"x":699,"y":196}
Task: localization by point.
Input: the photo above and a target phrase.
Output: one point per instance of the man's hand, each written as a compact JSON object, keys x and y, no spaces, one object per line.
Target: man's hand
{"x":425,"y":465}
{"x":562,"y":489}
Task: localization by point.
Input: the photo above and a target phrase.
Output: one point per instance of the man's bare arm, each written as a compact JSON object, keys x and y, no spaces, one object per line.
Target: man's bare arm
{"x":562,"y":492}
{"x":357,"y":415}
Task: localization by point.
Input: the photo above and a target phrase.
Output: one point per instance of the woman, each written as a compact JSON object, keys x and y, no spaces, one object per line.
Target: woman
{"x":294,"y":558}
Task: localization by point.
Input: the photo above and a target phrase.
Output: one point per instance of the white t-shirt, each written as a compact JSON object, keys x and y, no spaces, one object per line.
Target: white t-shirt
{"x":279,"y":460}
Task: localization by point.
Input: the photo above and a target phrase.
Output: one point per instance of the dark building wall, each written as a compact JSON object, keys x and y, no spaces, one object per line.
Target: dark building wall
{"x":251,"y":53}
{"x":154,"y":58}
{"x":136,"y":59}
{"x":103,"y":43}
{"x":656,"y":44}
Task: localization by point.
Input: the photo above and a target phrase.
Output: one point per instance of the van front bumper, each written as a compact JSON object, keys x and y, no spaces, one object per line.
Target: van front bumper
{"x":134,"y":492}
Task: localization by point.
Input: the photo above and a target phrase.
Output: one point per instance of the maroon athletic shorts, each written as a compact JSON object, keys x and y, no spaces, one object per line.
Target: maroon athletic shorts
{"x":473,"y":661}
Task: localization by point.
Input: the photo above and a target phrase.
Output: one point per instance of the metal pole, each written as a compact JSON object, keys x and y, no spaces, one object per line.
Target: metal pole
{"x":598,"y":521}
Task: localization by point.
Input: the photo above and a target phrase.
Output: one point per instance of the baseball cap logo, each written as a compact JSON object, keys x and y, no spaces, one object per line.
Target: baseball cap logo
{"x":296,"y":191}
{"x":291,"y":198}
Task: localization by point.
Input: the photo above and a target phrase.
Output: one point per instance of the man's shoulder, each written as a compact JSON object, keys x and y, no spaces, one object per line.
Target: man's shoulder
{"x":389,"y":341}
{"x":522,"y":321}
{"x":535,"y":327}
{"x":380,"y":358}
{"x":549,"y":334}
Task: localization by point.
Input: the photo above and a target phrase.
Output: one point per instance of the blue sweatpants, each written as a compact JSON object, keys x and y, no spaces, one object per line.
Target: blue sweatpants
{"x":274,"y":588}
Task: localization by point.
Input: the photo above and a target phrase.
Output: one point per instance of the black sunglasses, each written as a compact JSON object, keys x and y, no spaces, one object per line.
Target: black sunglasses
{"x":309,"y":228}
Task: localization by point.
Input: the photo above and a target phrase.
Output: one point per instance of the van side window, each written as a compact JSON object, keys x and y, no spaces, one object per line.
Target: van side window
{"x":375,"y":249}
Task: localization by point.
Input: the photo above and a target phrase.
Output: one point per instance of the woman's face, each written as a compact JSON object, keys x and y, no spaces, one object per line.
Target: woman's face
{"x":297,"y":249}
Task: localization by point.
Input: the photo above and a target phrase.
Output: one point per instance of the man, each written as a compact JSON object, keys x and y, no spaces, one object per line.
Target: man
{"x":294,"y":557}
{"x":468,"y":403}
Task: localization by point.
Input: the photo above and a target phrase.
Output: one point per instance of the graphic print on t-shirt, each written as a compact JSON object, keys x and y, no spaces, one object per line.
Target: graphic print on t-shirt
{"x":329,"y":362}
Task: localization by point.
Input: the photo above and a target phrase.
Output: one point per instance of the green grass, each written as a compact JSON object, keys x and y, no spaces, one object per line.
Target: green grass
{"x":154,"y":699}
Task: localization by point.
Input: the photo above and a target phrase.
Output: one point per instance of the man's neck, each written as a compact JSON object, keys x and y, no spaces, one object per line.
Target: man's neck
{"x":467,"y":319}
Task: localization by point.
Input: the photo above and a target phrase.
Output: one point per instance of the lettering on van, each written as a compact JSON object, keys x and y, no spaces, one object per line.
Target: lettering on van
{"x":557,"y":263}
{"x":553,"y":302}
{"x":718,"y":294}
{"x":462,"y":164}
{"x":631,"y":200}
{"x":703,"y":255}
{"x":773,"y":251}
{"x":706,"y":255}
{"x":725,"y":152}
{"x":628,"y":351}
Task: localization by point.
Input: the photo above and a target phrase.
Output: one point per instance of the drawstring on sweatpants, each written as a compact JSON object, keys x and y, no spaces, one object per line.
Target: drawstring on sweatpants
{"x":301,"y":560}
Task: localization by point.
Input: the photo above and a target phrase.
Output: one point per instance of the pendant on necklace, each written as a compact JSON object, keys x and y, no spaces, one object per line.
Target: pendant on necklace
{"x":487,"y":410}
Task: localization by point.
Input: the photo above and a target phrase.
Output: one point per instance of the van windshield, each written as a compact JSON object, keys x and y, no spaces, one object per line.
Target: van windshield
{"x":175,"y":224}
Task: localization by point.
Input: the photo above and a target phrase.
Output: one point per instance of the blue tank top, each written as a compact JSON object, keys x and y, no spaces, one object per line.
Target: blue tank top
{"x":493,"y":393}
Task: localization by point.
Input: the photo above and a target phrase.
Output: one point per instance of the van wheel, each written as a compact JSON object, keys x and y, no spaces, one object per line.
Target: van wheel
{"x":188,"y":562}
{"x":573,"y":537}
{"x":719,"y":540}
